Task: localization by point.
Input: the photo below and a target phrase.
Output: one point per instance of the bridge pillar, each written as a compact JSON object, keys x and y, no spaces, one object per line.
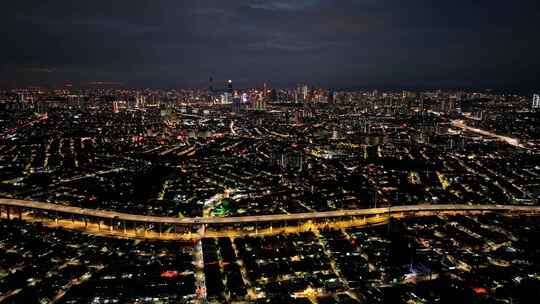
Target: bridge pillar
{"x":19,"y":211}
{"x":85,"y":223}
{"x":124,"y":224}
{"x":202,"y":230}
{"x":159,"y":229}
{"x":8,"y":214}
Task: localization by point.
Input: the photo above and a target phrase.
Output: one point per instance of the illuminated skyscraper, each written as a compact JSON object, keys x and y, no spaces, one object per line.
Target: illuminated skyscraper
{"x":140,"y":101}
{"x":229,"y":87}
{"x":536,"y":101}
{"x":301,"y":93}
{"x":226,"y":98}
{"x":21,"y":98}
{"x":115,"y":107}
{"x":259,"y":102}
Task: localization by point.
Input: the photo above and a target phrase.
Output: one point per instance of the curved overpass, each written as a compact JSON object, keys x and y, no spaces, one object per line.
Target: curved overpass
{"x":14,"y":207}
{"x":105,"y":214}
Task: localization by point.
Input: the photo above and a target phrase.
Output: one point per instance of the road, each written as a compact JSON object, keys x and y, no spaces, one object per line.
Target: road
{"x":364,"y":217}
{"x":104,"y":214}
{"x":511,"y":141}
{"x":14,"y":130}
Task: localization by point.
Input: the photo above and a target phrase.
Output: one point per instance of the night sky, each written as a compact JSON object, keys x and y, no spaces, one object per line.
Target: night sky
{"x":338,"y":43}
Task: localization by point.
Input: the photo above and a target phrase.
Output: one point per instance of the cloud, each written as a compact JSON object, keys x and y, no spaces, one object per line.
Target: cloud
{"x":331,"y":42}
{"x":39,"y":70}
{"x":282,"y":5}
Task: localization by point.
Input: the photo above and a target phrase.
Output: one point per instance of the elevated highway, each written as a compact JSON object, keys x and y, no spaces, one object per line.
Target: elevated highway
{"x":111,"y":221}
{"x":509,"y":140}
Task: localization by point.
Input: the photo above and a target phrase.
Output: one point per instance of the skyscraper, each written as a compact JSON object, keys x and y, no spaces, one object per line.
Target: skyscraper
{"x":229,"y":87}
{"x":21,"y":98}
{"x":140,"y":101}
{"x":259,"y":102}
{"x":236,"y":104}
{"x":331,"y":96}
{"x":536,"y":101}
{"x":226,"y":98}
{"x":301,"y":93}
{"x":273,"y":95}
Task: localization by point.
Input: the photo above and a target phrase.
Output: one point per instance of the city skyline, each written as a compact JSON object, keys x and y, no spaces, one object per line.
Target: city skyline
{"x":300,"y":195}
{"x":270,"y":152}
